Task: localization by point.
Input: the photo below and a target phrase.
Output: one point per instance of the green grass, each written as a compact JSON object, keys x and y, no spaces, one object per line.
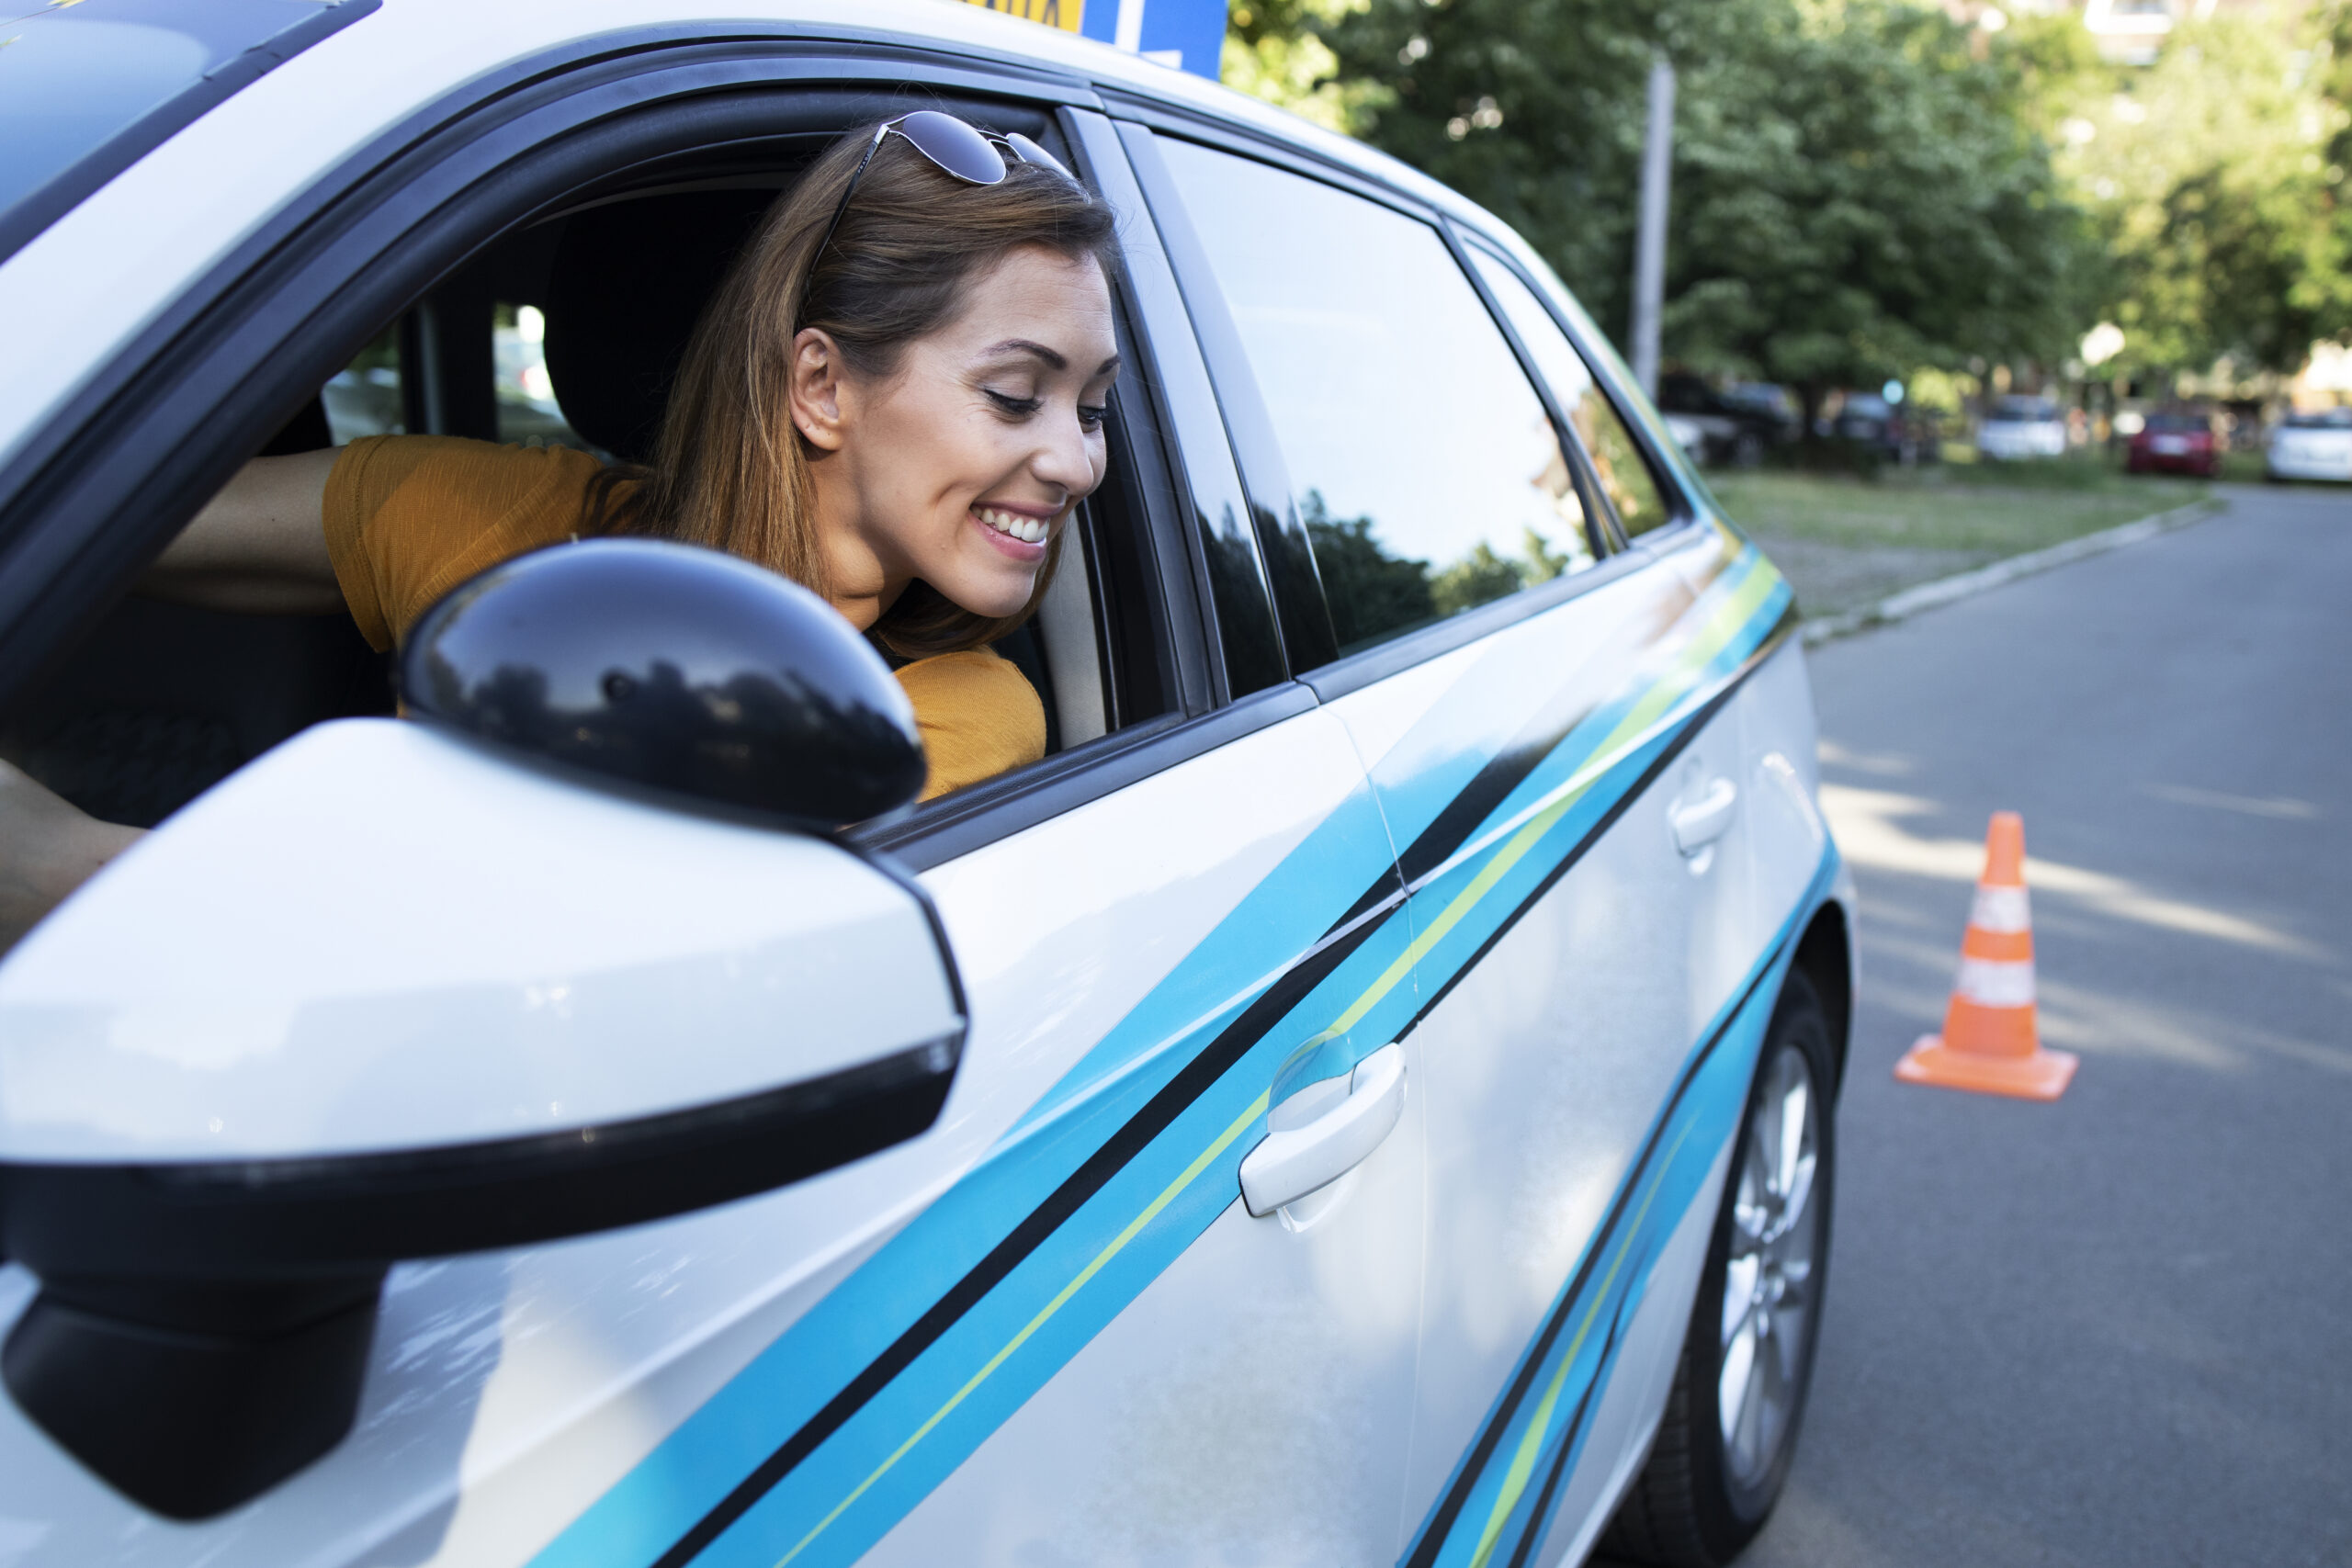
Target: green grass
{"x":1846,"y":542}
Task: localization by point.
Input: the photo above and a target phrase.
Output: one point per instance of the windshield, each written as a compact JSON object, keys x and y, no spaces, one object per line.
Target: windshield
{"x":2322,"y":419}
{"x":2024,"y":410}
{"x":90,"y":86}
{"x":2179,"y":424}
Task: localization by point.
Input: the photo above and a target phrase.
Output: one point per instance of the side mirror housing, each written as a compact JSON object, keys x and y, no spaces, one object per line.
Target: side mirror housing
{"x":677,"y":669}
{"x":389,"y":993}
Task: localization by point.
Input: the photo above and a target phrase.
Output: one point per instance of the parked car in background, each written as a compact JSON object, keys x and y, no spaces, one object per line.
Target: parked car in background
{"x":1366,"y":1094}
{"x":1735,"y":425}
{"x":2175,"y":442}
{"x":2018,"y":427}
{"x":2315,"y":446}
{"x":1870,"y":424}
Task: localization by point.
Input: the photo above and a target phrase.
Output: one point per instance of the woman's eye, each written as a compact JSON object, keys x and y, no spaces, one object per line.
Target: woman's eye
{"x":1092,"y":418}
{"x":1020,"y":407}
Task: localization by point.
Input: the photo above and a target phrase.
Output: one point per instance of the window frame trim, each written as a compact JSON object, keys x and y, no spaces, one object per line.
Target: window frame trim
{"x":1308,"y":636}
{"x":1604,"y":530}
{"x":1171,"y":376}
{"x":1682,"y":507}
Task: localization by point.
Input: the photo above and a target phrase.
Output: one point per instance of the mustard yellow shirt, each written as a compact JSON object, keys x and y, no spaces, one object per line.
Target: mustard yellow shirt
{"x":409,"y":517}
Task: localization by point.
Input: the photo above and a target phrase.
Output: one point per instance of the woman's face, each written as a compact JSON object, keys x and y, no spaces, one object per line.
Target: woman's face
{"x":960,"y":466}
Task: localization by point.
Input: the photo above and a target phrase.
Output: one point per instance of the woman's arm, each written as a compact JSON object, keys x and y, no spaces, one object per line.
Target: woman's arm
{"x":259,"y":546}
{"x":48,"y":848}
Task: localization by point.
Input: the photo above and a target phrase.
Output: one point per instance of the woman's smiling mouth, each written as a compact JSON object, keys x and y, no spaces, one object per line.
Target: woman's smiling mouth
{"x":1013,"y":524}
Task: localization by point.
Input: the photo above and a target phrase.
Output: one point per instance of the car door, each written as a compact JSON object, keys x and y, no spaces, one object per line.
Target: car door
{"x":1539,"y":706}
{"x":1175,"y":970}
{"x":1050,"y":1323}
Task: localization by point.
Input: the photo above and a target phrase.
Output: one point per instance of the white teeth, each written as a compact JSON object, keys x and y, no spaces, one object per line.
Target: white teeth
{"x":1026,"y":529}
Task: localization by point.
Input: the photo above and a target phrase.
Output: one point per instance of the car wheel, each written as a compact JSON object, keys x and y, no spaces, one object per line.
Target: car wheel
{"x":1747,"y":452}
{"x":1730,"y":1428}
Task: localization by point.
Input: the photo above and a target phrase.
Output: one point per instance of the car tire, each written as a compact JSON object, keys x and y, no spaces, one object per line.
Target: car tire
{"x":1703,"y":1495}
{"x":1747,"y":452}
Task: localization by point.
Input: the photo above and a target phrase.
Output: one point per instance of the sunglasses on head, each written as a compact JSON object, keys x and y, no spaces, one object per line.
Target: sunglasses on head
{"x":954,"y":147}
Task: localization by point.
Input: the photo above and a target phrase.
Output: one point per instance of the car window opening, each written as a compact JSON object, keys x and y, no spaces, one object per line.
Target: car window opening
{"x":561,"y":335}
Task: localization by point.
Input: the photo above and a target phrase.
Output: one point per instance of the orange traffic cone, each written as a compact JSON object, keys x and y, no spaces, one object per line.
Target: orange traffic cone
{"x":1989,"y":1042}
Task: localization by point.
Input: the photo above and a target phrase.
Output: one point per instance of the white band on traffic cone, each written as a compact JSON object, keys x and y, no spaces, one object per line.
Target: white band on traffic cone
{"x":1995,"y":982}
{"x":2001,"y":909}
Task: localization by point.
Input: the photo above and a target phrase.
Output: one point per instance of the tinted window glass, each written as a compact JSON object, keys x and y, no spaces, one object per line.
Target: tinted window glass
{"x":364,"y":399}
{"x":1423,"y":464}
{"x":1624,"y":476}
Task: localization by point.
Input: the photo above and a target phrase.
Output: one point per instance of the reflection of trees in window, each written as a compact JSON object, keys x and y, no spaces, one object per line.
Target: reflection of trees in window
{"x":1624,"y":476}
{"x":1478,"y":577}
{"x":1373,"y":594}
{"x":1483,"y":576}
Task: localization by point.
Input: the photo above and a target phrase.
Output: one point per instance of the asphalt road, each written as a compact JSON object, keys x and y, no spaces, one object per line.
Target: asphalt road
{"x":2115,"y":1330}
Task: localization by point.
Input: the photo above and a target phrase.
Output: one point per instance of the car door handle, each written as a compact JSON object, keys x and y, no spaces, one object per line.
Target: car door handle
{"x":1700,"y":822}
{"x":1289,"y":1165}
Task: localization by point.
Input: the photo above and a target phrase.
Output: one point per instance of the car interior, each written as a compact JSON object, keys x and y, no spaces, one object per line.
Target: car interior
{"x":565,"y":329}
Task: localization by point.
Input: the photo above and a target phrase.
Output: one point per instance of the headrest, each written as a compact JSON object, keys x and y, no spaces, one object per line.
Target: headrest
{"x":629,"y":281}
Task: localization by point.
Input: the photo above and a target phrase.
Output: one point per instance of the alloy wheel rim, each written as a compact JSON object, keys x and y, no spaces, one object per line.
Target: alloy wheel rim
{"x":1769,"y":1294}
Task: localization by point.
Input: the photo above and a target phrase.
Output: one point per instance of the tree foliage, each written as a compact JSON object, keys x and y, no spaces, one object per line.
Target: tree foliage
{"x":2211,"y":177}
{"x":1864,"y":187}
{"x":1854,"y":196}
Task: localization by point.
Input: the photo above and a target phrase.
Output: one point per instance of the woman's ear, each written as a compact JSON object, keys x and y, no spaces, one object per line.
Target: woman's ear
{"x":817,"y":388}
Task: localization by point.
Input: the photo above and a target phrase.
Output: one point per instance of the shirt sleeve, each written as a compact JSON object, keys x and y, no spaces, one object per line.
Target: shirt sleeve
{"x":978,"y":715}
{"x":409,"y":517}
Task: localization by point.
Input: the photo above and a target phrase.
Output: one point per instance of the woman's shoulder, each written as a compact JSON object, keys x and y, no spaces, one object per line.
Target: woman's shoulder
{"x":973,"y":666}
{"x":408,"y":517}
{"x":978,"y":715}
{"x":485,"y":476}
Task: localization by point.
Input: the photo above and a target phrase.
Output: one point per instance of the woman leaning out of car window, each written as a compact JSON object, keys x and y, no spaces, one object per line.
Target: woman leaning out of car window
{"x":912,"y":449}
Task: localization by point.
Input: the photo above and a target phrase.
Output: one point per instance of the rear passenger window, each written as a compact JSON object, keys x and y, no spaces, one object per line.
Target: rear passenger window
{"x":1422,"y":462}
{"x":1625,"y":477}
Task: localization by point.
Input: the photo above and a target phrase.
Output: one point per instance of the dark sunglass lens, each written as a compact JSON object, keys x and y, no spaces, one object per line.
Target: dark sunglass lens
{"x":1028,"y":152}
{"x":954,"y":146}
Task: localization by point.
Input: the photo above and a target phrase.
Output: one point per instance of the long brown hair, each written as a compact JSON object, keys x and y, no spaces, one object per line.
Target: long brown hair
{"x":730,"y":470}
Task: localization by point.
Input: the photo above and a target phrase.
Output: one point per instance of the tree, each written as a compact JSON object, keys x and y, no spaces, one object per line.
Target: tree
{"x":1857,"y":200}
{"x":1854,"y":196}
{"x":2212,"y":176}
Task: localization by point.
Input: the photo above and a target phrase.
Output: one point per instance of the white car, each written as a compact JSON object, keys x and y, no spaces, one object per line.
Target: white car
{"x":1365,"y":1092}
{"x":2313,"y":445}
{"x":2020,"y":427}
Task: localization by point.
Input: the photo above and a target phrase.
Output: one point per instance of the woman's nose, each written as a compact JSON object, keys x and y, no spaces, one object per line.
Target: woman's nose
{"x":1067,"y":457}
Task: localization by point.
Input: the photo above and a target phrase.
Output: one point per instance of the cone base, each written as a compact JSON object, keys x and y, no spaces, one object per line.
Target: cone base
{"x":2042,"y":1076}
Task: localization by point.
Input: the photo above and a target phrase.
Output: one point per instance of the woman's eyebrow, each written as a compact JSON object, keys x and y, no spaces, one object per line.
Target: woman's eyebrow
{"x":1022,"y":345}
{"x":1054,"y":358}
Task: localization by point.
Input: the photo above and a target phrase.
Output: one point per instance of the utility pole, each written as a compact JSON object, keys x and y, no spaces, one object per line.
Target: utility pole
{"x":1649,"y":247}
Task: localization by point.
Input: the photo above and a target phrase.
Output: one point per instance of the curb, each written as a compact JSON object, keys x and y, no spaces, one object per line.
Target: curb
{"x":1967,"y":584}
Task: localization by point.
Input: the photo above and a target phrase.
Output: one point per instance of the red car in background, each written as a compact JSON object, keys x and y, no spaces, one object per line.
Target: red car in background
{"x":2175,"y":444}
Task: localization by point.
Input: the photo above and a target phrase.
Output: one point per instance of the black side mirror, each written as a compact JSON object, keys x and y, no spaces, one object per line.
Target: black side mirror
{"x":211,"y":1223}
{"x":674,"y":667}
